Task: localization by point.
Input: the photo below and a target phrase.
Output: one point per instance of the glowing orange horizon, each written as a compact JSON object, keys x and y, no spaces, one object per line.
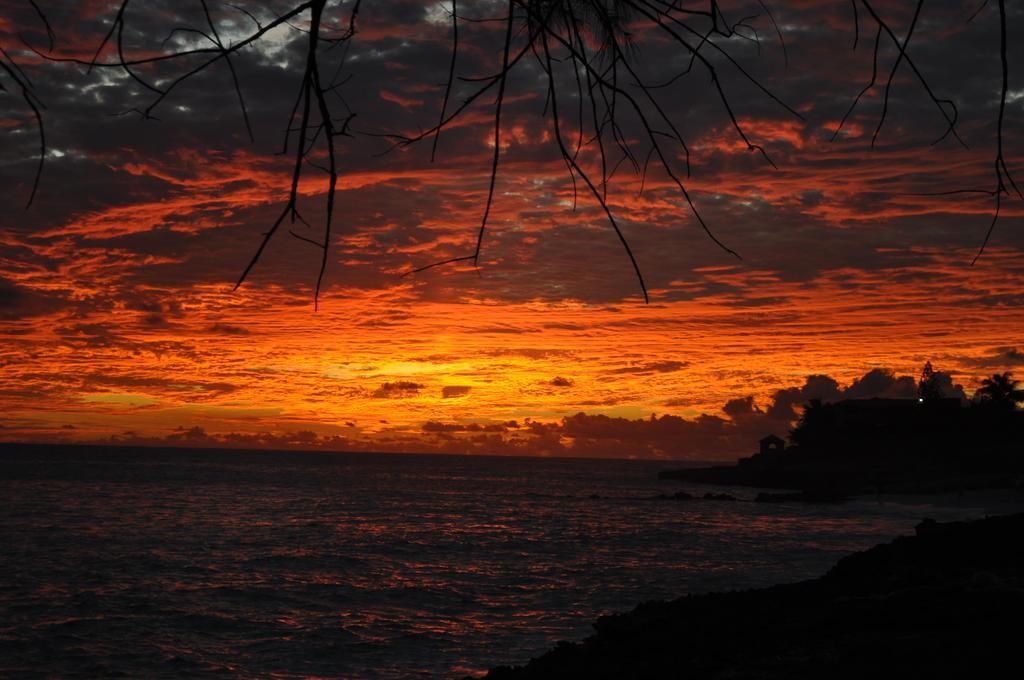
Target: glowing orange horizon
{"x":119,"y":323}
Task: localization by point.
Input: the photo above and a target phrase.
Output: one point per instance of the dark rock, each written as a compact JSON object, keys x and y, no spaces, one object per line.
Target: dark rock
{"x":944,"y":604}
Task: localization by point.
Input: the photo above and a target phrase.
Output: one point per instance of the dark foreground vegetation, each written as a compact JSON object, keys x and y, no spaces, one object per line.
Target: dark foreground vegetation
{"x":867,"y":446}
{"x":946,"y":603}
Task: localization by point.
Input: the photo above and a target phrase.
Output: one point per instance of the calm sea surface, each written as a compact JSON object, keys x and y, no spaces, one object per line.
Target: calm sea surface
{"x":168,"y":562}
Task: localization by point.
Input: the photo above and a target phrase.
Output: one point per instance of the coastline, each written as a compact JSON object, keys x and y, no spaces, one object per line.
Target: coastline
{"x":987,"y":502}
{"x":934,"y":605}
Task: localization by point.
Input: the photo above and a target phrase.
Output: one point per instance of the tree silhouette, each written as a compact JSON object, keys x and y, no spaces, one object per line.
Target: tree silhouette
{"x":928,"y":386}
{"x":584,"y":50}
{"x":1001,"y":390}
{"x":816,"y":423}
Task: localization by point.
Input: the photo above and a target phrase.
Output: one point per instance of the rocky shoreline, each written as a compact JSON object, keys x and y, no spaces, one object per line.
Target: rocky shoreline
{"x":945,"y":603}
{"x":833,"y":480}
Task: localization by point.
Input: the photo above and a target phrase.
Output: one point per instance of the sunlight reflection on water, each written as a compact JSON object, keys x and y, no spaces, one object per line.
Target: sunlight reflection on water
{"x":169,"y":562}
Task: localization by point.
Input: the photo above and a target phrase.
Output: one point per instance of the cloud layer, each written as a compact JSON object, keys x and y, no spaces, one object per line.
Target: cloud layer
{"x":116,"y":305}
{"x":732,"y":432}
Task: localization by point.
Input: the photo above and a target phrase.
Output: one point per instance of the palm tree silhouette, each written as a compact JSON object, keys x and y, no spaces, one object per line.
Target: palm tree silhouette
{"x":1001,"y":390}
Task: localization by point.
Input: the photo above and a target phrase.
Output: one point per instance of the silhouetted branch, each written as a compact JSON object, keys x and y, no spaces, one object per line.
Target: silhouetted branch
{"x":1002,"y":173}
{"x":903,"y":56}
{"x":549,"y":69}
{"x":313,"y":97}
{"x":567,"y":25}
{"x":867,"y":88}
{"x":50,"y":36}
{"x":24,"y":87}
{"x":451,"y":77}
{"x":947,"y":108}
{"x":622,"y":121}
{"x":231,"y":67}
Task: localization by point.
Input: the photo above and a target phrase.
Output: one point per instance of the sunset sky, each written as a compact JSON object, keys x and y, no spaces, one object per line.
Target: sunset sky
{"x":119,"y":321}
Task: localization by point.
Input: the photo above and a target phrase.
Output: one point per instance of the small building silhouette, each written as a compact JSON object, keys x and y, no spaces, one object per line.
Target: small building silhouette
{"x":772,"y":444}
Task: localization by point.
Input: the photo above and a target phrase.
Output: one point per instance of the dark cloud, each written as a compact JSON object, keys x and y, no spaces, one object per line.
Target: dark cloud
{"x":581,"y":434}
{"x":398,"y":390}
{"x":741,"y":407}
{"x":454,"y":391}
{"x":19,"y":302}
{"x":652,"y":367}
{"x":194,"y":435}
{"x":784,"y":402}
{"x":948,"y":388}
{"x":877,"y":383}
{"x":433,"y":426}
{"x":997,"y":358}
{"x":158,"y":385}
{"x":883,"y":383}
{"x":746,"y":423}
{"x":112,"y":164}
{"x":227,"y":329}
{"x":141,"y":227}
{"x":670,"y":436}
{"x":528,"y":352}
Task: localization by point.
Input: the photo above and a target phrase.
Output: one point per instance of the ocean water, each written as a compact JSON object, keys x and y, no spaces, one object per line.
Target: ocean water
{"x":164,"y":562}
